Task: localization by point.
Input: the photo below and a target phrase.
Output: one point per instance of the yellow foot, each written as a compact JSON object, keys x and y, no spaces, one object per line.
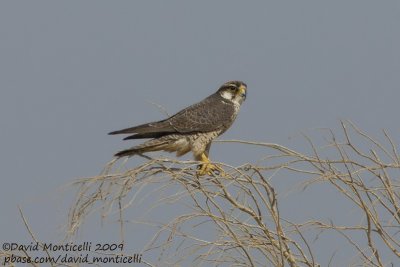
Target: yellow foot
{"x":207,"y":168}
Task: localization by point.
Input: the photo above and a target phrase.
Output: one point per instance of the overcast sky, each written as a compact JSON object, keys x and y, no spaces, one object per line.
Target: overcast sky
{"x":71,"y":71}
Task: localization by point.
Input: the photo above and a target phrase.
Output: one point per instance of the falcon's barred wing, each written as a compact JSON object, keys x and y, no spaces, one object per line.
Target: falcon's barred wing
{"x":213,"y":113}
{"x":152,"y":127}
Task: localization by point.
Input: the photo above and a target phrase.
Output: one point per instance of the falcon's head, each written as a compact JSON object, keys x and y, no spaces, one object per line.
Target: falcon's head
{"x":234,"y":91}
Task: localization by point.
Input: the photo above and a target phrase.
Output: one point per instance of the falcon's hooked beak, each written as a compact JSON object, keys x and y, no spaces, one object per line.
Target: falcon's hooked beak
{"x":242,"y":91}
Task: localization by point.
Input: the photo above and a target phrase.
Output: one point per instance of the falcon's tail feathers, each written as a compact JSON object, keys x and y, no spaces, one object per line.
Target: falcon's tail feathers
{"x":126,"y":152}
{"x":151,"y":145}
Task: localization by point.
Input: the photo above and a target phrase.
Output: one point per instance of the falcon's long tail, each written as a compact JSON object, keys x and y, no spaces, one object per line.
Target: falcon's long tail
{"x":127,"y":152}
{"x":151,"y":145}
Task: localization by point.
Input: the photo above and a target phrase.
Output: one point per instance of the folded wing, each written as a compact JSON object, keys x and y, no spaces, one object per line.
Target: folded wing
{"x":205,"y":116}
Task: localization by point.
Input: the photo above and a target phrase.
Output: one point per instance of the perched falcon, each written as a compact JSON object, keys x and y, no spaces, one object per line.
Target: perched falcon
{"x":191,"y":129}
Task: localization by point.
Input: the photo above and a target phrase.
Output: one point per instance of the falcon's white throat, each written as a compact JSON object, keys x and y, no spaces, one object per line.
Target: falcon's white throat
{"x":229,"y":95}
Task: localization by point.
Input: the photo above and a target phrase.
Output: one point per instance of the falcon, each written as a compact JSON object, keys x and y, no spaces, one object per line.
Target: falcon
{"x":191,"y":129}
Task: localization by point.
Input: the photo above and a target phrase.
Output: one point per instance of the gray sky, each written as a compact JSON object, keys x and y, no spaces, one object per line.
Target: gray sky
{"x":71,"y":71}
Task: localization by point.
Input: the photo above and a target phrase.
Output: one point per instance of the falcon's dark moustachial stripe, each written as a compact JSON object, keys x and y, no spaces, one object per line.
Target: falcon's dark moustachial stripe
{"x":191,"y":129}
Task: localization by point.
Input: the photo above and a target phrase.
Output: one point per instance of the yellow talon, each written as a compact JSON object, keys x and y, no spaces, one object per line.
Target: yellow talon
{"x":207,"y":168}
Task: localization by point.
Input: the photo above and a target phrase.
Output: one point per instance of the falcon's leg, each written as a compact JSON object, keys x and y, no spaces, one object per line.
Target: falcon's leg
{"x":207,"y":151}
{"x":207,"y":167}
